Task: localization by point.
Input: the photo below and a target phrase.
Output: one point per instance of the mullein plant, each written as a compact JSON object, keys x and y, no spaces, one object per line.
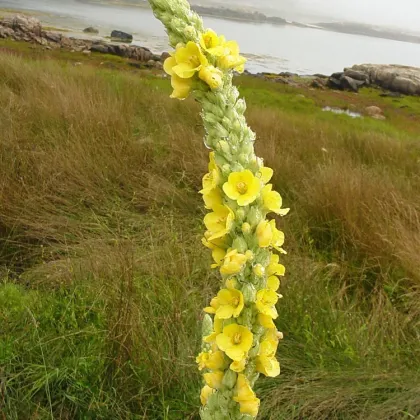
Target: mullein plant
{"x":240,"y":338}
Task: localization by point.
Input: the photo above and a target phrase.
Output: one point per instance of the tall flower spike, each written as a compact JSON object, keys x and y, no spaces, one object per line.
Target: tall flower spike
{"x":239,"y":334}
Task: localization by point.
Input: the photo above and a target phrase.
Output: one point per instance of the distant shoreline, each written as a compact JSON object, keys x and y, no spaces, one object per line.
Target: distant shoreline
{"x":350,"y":28}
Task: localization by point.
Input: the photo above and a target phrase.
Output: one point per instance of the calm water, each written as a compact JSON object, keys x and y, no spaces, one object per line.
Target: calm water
{"x":269,"y":48}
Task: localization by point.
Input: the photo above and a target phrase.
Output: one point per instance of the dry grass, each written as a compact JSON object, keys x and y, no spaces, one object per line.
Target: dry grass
{"x":99,"y":244}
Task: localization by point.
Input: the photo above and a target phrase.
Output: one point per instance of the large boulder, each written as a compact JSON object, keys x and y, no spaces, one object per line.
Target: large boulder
{"x":27,"y":24}
{"x":402,"y":79}
{"x":121,"y":36}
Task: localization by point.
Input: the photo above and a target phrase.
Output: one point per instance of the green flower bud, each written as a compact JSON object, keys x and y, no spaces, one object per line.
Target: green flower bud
{"x":240,"y":244}
{"x":249,"y":292}
{"x":229,"y":380}
{"x":254,"y":216}
{"x":207,"y":325}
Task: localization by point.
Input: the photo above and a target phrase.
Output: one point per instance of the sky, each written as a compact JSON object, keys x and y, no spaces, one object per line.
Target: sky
{"x":404,"y":14}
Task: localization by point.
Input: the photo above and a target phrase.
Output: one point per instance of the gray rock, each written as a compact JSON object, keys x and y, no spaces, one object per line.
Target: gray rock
{"x":52,"y":37}
{"x":27,"y":24}
{"x":90,"y":30}
{"x":100,"y":48}
{"x":334,"y":83}
{"x":347,"y":83}
{"x":121,"y":36}
{"x":164,"y":56}
{"x":6,"y":32}
{"x":401,"y":79}
{"x":357,"y":75}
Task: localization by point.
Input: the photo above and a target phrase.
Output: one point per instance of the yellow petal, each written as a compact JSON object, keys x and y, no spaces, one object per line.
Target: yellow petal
{"x":169,"y":64}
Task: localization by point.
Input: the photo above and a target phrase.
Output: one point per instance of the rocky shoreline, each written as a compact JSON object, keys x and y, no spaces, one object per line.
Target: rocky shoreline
{"x":29,"y":29}
{"x":394,"y":79}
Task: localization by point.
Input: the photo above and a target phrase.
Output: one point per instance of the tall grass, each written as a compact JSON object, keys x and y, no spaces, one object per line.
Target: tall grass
{"x":103,"y":276}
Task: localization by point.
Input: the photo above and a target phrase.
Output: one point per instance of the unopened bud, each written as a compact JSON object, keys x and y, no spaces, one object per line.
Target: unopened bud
{"x":246,"y":228}
{"x":259,"y":270}
{"x":229,"y":380}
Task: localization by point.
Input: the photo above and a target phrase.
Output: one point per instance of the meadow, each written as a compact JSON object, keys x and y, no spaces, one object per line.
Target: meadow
{"x":103,"y":275}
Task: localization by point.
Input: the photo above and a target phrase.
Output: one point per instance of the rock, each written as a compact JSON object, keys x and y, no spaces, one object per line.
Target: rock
{"x":401,"y":79}
{"x":334,"y":83}
{"x":319,"y":83}
{"x":373,"y":110}
{"x":100,"y":48}
{"x":53,"y":37}
{"x":27,"y":24}
{"x":90,"y":30}
{"x":166,"y":55}
{"x":357,"y":75}
{"x":391,"y":95}
{"x":121,"y":36}
{"x":379,"y":117}
{"x":347,"y":83}
{"x":337,"y":75}
{"x":6,"y":32}
{"x":86,"y":52}
{"x":159,"y":65}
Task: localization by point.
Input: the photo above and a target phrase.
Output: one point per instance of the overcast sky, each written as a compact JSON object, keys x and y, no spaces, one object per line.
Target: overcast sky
{"x":400,"y":13}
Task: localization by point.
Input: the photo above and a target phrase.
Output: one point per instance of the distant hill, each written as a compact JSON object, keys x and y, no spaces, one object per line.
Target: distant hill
{"x":368,"y":30}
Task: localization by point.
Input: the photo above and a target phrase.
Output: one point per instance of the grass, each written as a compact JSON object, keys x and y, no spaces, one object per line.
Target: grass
{"x":102,"y":277}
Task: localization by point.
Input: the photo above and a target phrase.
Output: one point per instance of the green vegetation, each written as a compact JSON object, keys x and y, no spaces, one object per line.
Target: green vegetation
{"x":103,"y":277}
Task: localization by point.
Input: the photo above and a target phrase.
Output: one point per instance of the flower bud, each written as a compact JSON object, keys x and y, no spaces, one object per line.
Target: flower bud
{"x":259,"y":270}
{"x":229,"y":380}
{"x":249,"y":292}
{"x":207,"y":325}
{"x":246,"y":228}
{"x":240,"y":244}
{"x":254,"y":216}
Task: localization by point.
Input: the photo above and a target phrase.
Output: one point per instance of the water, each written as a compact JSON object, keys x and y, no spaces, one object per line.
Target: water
{"x":268,"y":48}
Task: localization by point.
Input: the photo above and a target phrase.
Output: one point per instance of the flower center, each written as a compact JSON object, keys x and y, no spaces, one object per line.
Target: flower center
{"x":237,"y":338}
{"x":235,"y":301}
{"x":242,"y":187}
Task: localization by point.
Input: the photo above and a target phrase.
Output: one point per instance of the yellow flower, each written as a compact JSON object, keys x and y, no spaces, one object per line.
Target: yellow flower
{"x":217,"y":252}
{"x":212,"y":76}
{"x":272,"y":200}
{"x":266,"y":299}
{"x":214,"y":305}
{"x":250,"y":407}
{"x":212,"y":43}
{"x":274,"y":268}
{"x":278,"y":237}
{"x":269,"y":366}
{"x":231,"y":283}
{"x":210,"y":181}
{"x":264,"y":234}
{"x":233,"y":263}
{"x":230,"y":303}
{"x":181,"y":87}
{"x":187,"y":60}
{"x":266,"y":321}
{"x":211,"y":360}
{"x":238,"y":366}
{"x":266,"y":360}
{"x":245,"y":396}
{"x":217,"y":329}
{"x":273,"y":283}
{"x":219,"y":222}
{"x":269,"y":235}
{"x":235,"y":341}
{"x":214,"y":379}
{"x":205,"y":393}
{"x":231,"y":58}
{"x":242,"y":187}
{"x":265,"y":174}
